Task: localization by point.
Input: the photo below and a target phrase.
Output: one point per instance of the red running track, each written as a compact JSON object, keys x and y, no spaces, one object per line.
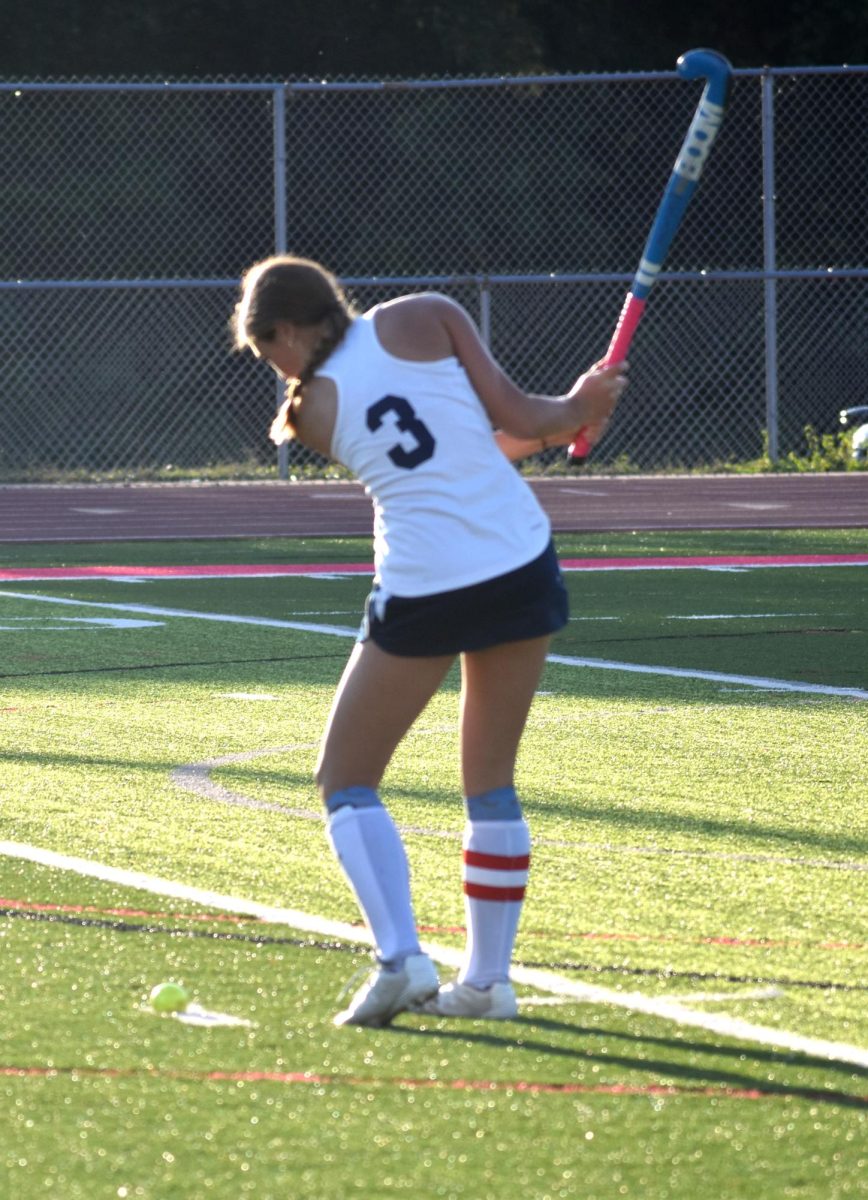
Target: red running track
{"x":115,"y":512}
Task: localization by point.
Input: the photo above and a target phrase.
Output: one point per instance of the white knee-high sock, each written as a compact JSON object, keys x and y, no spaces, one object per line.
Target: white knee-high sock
{"x":495,"y":871}
{"x":371,"y":853}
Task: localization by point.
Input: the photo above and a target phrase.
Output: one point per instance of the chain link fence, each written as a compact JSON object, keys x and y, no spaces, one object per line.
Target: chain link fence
{"x":131,"y":209}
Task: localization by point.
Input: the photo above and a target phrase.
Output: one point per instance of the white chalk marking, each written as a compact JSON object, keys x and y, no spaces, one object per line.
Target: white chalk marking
{"x":195,"y":1014}
{"x":733,"y":616}
{"x":100,"y":512}
{"x":544,"y":981}
{"x":754,"y":505}
{"x":585,"y":492}
{"x":74,"y":624}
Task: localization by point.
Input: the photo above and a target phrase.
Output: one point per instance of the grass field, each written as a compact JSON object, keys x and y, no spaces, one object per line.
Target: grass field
{"x":699,"y":857}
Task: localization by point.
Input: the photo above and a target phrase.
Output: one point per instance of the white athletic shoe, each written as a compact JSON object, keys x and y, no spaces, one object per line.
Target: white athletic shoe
{"x":497,"y":1003}
{"x":387,"y":993}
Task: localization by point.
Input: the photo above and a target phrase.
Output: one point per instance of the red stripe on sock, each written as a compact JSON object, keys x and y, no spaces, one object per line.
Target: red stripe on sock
{"x":479,"y":891}
{"x":497,"y":862}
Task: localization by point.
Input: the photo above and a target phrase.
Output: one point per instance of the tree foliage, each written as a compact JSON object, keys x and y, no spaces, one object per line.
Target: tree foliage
{"x":624,"y":35}
{"x":415,"y":38}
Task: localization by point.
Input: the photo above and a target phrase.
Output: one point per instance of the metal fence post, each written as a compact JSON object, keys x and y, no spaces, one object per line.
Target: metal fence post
{"x":770,"y":264}
{"x":485,"y":311}
{"x":280,"y":245}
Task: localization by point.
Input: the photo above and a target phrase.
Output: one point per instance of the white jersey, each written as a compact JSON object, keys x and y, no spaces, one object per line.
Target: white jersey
{"x":449,"y":509}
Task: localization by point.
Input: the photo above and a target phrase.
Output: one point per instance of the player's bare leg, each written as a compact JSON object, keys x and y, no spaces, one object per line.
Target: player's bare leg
{"x":498,"y":688}
{"x":379,"y":697}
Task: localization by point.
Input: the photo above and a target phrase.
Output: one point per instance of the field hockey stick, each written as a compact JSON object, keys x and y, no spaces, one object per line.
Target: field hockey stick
{"x":707,"y":119}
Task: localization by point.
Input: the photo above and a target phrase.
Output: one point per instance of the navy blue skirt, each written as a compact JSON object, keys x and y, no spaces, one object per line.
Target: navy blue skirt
{"x":526,"y":603}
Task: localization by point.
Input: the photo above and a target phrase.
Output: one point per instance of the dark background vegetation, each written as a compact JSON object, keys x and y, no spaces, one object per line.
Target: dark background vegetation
{"x":415,"y":38}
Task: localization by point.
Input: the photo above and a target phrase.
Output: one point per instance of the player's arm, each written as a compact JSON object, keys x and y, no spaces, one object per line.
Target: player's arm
{"x":516,"y":448}
{"x":524,"y":417}
{"x":311,"y":418}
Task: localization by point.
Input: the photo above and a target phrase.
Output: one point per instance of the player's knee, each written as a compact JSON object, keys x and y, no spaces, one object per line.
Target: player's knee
{"x":319,"y":778}
{"x":327,"y":776}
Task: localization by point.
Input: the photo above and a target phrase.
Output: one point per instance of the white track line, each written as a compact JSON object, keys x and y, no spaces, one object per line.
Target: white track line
{"x":544,"y":981}
{"x":601,"y":664}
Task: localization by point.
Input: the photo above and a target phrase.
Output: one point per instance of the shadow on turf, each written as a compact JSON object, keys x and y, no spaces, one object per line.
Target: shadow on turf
{"x":647,"y":819}
{"x":653,"y":820}
{"x":663,"y":1067}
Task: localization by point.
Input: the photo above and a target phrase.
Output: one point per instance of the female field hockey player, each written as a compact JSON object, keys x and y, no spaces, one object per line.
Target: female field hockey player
{"x":407,"y":396}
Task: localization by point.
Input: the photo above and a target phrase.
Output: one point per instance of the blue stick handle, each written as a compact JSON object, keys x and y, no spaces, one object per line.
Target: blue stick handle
{"x":695,"y":64}
{"x":708,"y":64}
{"x":707,"y":119}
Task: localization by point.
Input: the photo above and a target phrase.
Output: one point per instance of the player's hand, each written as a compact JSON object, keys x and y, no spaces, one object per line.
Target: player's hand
{"x":281,"y":427}
{"x":594,"y":396}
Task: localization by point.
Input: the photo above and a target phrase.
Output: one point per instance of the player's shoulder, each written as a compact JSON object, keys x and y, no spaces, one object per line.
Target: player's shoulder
{"x":418,"y":326}
{"x":422,"y":303}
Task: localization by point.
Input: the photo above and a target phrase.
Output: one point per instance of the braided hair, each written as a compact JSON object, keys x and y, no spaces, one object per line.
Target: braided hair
{"x":287,"y":288}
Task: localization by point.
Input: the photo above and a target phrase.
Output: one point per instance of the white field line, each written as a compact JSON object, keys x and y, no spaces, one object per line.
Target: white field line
{"x":227,"y":618}
{"x":687,"y":565}
{"x":544,"y":981}
{"x":754,"y":681}
{"x":734,"y":616}
{"x":602,"y":664}
{"x":765,"y":993}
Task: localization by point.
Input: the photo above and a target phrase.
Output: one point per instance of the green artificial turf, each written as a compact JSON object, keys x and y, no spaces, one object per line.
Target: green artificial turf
{"x":696,"y":839}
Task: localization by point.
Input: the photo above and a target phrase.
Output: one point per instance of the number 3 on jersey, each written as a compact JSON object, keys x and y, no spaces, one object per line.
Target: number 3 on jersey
{"x":406,"y":421}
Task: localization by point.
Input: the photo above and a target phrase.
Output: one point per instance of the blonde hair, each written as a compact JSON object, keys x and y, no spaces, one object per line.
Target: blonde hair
{"x":287,"y":288}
